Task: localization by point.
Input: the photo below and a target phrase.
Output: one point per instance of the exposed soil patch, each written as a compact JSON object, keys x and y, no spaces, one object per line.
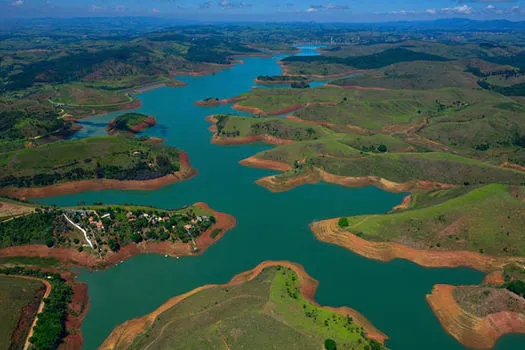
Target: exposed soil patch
{"x":329,"y":231}
{"x":471,"y":330}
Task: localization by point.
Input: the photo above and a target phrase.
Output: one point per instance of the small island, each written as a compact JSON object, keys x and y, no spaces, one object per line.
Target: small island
{"x":130,"y":124}
{"x":268,"y":307}
{"x":91,"y":164}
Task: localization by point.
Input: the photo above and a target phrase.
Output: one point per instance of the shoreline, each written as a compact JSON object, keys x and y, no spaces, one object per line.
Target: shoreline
{"x":125,"y":332}
{"x":328,"y":231}
{"x":470,"y":330}
{"x":274,"y":184}
{"x":225,"y":222}
{"x":186,"y":172}
{"x":289,"y":82}
{"x":135,"y":129}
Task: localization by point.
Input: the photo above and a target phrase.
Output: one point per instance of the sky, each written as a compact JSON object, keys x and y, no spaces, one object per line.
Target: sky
{"x":271,"y":10}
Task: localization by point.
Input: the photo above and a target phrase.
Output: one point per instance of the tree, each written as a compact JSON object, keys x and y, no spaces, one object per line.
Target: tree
{"x":50,"y":242}
{"x":113,"y":244}
{"x":382,"y":148}
{"x":343,"y":222}
{"x":330,"y":344}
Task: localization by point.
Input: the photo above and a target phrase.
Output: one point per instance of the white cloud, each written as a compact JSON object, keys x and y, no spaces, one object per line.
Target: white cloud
{"x":17,"y":3}
{"x":311,"y":9}
{"x":431,"y":11}
{"x":155,"y":10}
{"x":491,"y":7}
{"x":465,"y":10}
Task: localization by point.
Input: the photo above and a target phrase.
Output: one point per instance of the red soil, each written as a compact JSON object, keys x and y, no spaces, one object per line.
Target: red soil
{"x":265,"y":164}
{"x":123,"y":334}
{"x":313,"y":122}
{"x":186,"y":172}
{"x":224,"y":222}
{"x":404,"y":204}
{"x":330,"y":232}
{"x":148,"y":123}
{"x":276,"y":184}
{"x":471,"y":330}
{"x":258,"y":111}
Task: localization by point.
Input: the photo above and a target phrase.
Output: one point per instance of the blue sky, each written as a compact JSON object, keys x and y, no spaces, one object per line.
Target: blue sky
{"x":270,"y":10}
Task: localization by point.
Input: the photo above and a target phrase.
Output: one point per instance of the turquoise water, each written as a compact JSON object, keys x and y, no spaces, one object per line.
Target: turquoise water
{"x":271,"y":226}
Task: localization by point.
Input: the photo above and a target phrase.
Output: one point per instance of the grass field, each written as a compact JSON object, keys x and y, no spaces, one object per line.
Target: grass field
{"x":486,"y":220}
{"x":419,"y":75}
{"x":15,"y":295}
{"x":267,"y":312}
{"x":96,"y":157}
{"x":235,"y":126}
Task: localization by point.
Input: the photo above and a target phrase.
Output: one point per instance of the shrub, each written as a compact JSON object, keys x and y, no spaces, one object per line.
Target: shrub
{"x":330,"y":344}
{"x":517,"y":287}
{"x":382,"y":148}
{"x":343,"y":222}
{"x":50,"y":242}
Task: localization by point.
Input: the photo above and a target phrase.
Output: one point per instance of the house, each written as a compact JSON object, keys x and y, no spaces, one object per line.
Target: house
{"x":187,"y":227}
{"x":107,"y":215}
{"x":100,"y":225}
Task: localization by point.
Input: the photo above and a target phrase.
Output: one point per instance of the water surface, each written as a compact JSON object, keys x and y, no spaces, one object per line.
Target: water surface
{"x":271,"y":226}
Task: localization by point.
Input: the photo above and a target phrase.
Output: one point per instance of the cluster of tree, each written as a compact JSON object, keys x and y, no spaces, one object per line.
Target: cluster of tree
{"x":215,"y":51}
{"x":26,"y":119}
{"x":517,"y":287}
{"x":75,"y":66}
{"x":513,"y":90}
{"x":373,"y":61}
{"x":39,"y":227}
{"x":280,"y":78}
{"x":126,"y":121}
{"x":139,"y":170}
{"x":300,"y":85}
{"x":379,"y":149}
{"x":50,"y":328}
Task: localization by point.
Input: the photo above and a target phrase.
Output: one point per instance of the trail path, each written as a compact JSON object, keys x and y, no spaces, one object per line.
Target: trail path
{"x":81,"y":229}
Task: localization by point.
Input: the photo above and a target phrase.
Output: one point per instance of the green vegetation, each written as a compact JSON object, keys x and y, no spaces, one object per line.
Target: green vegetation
{"x":50,"y":328}
{"x":128,"y":122}
{"x":266,"y":312}
{"x":281,"y":79}
{"x":487,"y":219}
{"x":372,"y":61}
{"x":19,"y":299}
{"x":110,"y":227}
{"x":92,"y":158}
{"x":237,"y":126}
{"x":419,"y":75}
{"x":517,"y":287}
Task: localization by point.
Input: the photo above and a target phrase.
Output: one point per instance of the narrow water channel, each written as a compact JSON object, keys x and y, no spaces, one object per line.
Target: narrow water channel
{"x":271,"y":226}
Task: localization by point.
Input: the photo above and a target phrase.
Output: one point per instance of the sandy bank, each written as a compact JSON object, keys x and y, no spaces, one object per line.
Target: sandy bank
{"x":471,"y":330}
{"x":329,"y":231}
{"x":265,"y":164}
{"x":186,"y":172}
{"x":123,"y":334}
{"x":224,"y":222}
{"x":276,"y":183}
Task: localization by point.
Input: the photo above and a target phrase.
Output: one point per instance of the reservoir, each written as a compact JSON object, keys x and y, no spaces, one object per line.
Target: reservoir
{"x":270,"y":226}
